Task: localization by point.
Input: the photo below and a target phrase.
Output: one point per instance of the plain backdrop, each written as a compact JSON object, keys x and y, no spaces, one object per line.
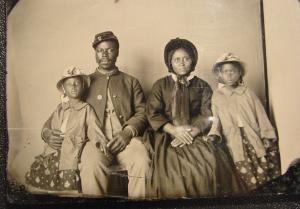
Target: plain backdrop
{"x":282,"y":23}
{"x":46,"y":36}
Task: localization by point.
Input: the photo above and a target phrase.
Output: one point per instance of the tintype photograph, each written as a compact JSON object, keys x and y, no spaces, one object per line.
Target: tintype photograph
{"x":139,"y":99}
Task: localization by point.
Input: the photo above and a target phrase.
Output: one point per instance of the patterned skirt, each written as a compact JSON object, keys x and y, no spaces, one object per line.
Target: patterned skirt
{"x":44,"y":174}
{"x":257,"y":171}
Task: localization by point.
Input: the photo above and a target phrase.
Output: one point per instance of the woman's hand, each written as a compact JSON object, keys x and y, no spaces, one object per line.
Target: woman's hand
{"x":177,"y":143}
{"x":194,"y":131}
{"x":180,"y":133}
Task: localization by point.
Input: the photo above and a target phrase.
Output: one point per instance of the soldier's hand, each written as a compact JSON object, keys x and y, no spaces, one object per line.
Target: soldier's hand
{"x":119,"y":142}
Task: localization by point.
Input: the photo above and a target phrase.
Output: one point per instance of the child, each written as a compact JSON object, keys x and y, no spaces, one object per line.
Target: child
{"x":240,"y":120}
{"x":74,"y":122}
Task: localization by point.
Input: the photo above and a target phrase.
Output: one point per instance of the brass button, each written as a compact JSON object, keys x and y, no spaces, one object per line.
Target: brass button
{"x":107,"y":77}
{"x":120,"y":116}
{"x":114,"y":96}
{"x":99,"y":97}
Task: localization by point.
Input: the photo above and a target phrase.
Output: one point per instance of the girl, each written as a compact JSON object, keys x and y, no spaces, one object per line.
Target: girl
{"x":240,"y":120}
{"x":73,"y":122}
{"x":178,"y":110}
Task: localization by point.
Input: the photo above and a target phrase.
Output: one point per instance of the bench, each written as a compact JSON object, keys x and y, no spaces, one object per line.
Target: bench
{"x":117,"y":181}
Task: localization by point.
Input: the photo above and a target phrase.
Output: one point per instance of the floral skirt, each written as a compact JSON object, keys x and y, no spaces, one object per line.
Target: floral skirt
{"x":257,"y":171}
{"x":44,"y":174}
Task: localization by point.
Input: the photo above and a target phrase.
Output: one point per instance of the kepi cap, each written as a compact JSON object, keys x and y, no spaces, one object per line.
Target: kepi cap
{"x":105,"y":36}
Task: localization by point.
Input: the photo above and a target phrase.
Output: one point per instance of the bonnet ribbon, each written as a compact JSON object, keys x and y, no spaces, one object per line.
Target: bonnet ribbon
{"x":181,"y":100}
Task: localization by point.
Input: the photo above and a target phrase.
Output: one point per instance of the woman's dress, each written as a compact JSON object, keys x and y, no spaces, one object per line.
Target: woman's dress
{"x":200,"y":169}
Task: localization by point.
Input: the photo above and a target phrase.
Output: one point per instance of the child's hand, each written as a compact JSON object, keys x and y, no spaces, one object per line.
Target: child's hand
{"x":102,"y":147}
{"x":53,"y":138}
{"x":266,"y":143}
{"x":269,"y":143}
{"x":214,"y":139}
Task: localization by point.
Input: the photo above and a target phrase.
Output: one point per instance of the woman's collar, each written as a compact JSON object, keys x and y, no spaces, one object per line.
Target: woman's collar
{"x":188,"y":78}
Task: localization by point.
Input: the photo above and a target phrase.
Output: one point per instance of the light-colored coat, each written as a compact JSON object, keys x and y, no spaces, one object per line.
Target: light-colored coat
{"x":237,"y":108}
{"x":82,"y":126}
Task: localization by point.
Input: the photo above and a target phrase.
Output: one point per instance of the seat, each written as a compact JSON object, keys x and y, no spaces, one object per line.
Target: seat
{"x":117,"y":181}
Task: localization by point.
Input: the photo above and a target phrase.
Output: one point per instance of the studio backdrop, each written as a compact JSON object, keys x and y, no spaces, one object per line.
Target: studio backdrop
{"x":46,"y":36}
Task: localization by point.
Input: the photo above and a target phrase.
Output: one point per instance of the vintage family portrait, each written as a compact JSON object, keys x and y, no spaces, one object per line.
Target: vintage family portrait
{"x":139,"y":99}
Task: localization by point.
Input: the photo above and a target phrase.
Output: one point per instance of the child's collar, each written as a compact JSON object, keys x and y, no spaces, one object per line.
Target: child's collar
{"x":240,"y":89}
{"x":79,"y":105}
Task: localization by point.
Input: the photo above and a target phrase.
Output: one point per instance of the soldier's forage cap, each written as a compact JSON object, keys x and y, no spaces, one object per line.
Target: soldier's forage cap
{"x":105,"y":36}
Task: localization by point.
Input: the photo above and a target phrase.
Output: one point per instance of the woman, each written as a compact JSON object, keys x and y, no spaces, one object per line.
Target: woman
{"x":178,"y":110}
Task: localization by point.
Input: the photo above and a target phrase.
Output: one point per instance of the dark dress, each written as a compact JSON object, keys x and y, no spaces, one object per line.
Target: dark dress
{"x":200,"y":169}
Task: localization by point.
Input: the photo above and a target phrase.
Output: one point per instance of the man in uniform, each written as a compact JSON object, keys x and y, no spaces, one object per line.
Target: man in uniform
{"x":119,"y":102}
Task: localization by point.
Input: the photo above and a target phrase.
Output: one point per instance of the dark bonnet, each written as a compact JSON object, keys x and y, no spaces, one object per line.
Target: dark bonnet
{"x":177,"y":43}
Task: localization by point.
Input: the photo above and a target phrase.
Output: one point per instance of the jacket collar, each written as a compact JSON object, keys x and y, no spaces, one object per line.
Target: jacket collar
{"x":110,"y":73}
{"x":227,"y":91}
{"x":77,"y":106}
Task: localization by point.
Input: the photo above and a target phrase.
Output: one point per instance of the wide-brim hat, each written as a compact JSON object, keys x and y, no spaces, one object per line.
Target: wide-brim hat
{"x":73,"y":72}
{"x":228,"y":57}
{"x":177,"y":43}
{"x":105,"y":36}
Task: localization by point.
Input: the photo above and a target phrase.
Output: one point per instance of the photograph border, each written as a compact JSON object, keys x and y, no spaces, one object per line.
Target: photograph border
{"x":22,"y":199}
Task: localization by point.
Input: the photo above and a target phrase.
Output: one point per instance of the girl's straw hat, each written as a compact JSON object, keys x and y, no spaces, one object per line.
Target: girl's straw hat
{"x":227,"y":58}
{"x":73,"y":72}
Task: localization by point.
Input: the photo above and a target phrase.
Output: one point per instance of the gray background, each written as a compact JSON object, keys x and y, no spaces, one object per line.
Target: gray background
{"x":282,"y":21}
{"x":44,"y":37}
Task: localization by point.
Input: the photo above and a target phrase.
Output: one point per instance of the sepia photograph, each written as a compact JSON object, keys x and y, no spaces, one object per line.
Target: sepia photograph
{"x":148,"y":100}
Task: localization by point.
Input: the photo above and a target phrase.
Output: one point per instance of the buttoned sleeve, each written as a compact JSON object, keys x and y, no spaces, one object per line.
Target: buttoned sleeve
{"x":202,"y":120}
{"x":138,"y":121}
{"x":94,"y":132}
{"x":266,"y":129}
{"x":156,"y":107}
